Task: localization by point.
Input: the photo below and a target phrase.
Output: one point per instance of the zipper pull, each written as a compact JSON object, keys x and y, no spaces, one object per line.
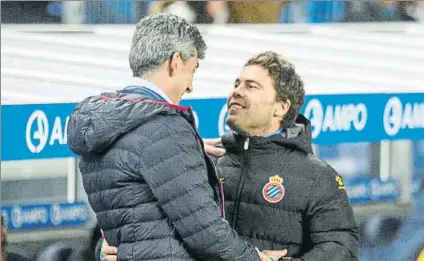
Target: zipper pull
{"x":246,"y":144}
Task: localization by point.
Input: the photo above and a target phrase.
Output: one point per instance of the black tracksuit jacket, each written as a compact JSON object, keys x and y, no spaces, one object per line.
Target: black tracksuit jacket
{"x":308,"y":213}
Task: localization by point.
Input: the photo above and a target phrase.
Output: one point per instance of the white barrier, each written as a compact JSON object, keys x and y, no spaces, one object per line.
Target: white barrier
{"x":330,"y":58}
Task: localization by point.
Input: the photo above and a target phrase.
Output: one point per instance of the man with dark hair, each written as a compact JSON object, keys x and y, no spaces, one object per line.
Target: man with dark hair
{"x":276,"y":107}
{"x":279,"y":196}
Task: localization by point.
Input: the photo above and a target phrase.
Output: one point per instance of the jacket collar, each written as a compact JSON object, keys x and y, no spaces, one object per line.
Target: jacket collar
{"x":149,"y":87}
{"x":297,"y":137}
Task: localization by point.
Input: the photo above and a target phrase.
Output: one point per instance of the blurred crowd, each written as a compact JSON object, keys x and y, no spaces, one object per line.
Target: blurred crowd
{"x":289,"y":11}
{"x":219,"y":11}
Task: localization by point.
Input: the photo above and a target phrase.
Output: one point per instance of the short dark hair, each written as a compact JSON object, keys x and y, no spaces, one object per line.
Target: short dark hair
{"x":287,"y":83}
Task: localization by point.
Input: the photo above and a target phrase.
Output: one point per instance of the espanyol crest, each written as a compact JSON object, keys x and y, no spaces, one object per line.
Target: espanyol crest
{"x":274,"y":191}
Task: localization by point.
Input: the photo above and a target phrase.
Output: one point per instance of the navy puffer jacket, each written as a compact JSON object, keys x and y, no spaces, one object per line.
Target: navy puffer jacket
{"x":149,"y":181}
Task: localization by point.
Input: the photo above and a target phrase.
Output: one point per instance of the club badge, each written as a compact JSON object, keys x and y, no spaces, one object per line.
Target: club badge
{"x":274,"y":191}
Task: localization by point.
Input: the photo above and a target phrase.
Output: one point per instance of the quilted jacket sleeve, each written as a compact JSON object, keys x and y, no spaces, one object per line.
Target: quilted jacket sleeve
{"x":176,"y":171}
{"x":332,"y":224}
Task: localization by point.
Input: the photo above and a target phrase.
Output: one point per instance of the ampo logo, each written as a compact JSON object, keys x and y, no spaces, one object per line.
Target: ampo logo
{"x":398,"y":116}
{"x":59,"y":215}
{"x":222,"y":126}
{"x":16,"y":217}
{"x":336,"y":117}
{"x":55,"y":214}
{"x":21,"y":216}
{"x":315,"y":114}
{"x":38,"y":129}
{"x":392,"y":116}
{"x":41,"y":132}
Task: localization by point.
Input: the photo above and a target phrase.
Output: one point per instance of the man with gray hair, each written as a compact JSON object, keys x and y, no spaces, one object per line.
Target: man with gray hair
{"x":143,"y":163}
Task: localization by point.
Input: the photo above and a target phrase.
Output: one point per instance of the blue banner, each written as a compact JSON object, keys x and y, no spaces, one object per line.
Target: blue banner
{"x":371,"y":190}
{"x":43,"y":216}
{"x":38,"y":131}
{"x":210,"y":115}
{"x":365,"y":117}
{"x":35,"y":131}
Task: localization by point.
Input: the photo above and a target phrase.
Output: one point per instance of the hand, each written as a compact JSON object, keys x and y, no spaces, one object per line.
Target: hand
{"x":210,"y":147}
{"x":271,"y":255}
{"x":109,"y":253}
{"x":263,"y":257}
{"x":275,"y":254}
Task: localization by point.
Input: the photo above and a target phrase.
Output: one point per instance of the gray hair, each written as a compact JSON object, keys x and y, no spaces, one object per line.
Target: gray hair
{"x":157,"y":37}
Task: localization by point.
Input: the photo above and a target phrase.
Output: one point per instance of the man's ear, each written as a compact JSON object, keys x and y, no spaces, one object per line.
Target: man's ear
{"x":174,"y":63}
{"x":282,"y":108}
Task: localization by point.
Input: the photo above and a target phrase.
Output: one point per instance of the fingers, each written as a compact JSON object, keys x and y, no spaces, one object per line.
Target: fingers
{"x":110,"y":258}
{"x":212,"y":142}
{"x":109,"y":253}
{"x":217,"y":152}
{"x":108,"y":250}
{"x":262,"y":256}
{"x":211,"y":149}
{"x":276,"y":254}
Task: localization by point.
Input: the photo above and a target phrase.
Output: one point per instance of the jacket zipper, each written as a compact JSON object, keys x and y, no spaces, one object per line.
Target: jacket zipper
{"x":240,"y":186}
{"x":220,"y":185}
{"x":219,"y":181}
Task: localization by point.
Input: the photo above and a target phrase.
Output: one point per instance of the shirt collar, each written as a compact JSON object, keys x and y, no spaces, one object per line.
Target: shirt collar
{"x":274,"y":133}
{"x":151,"y":86}
{"x":280,"y":131}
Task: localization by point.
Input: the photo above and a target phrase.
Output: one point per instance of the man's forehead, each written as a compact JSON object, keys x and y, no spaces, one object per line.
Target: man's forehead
{"x":248,"y":78}
{"x":253,"y":71}
{"x":252,"y":75}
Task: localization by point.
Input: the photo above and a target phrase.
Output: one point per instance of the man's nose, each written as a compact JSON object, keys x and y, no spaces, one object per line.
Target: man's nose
{"x":238,"y":92}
